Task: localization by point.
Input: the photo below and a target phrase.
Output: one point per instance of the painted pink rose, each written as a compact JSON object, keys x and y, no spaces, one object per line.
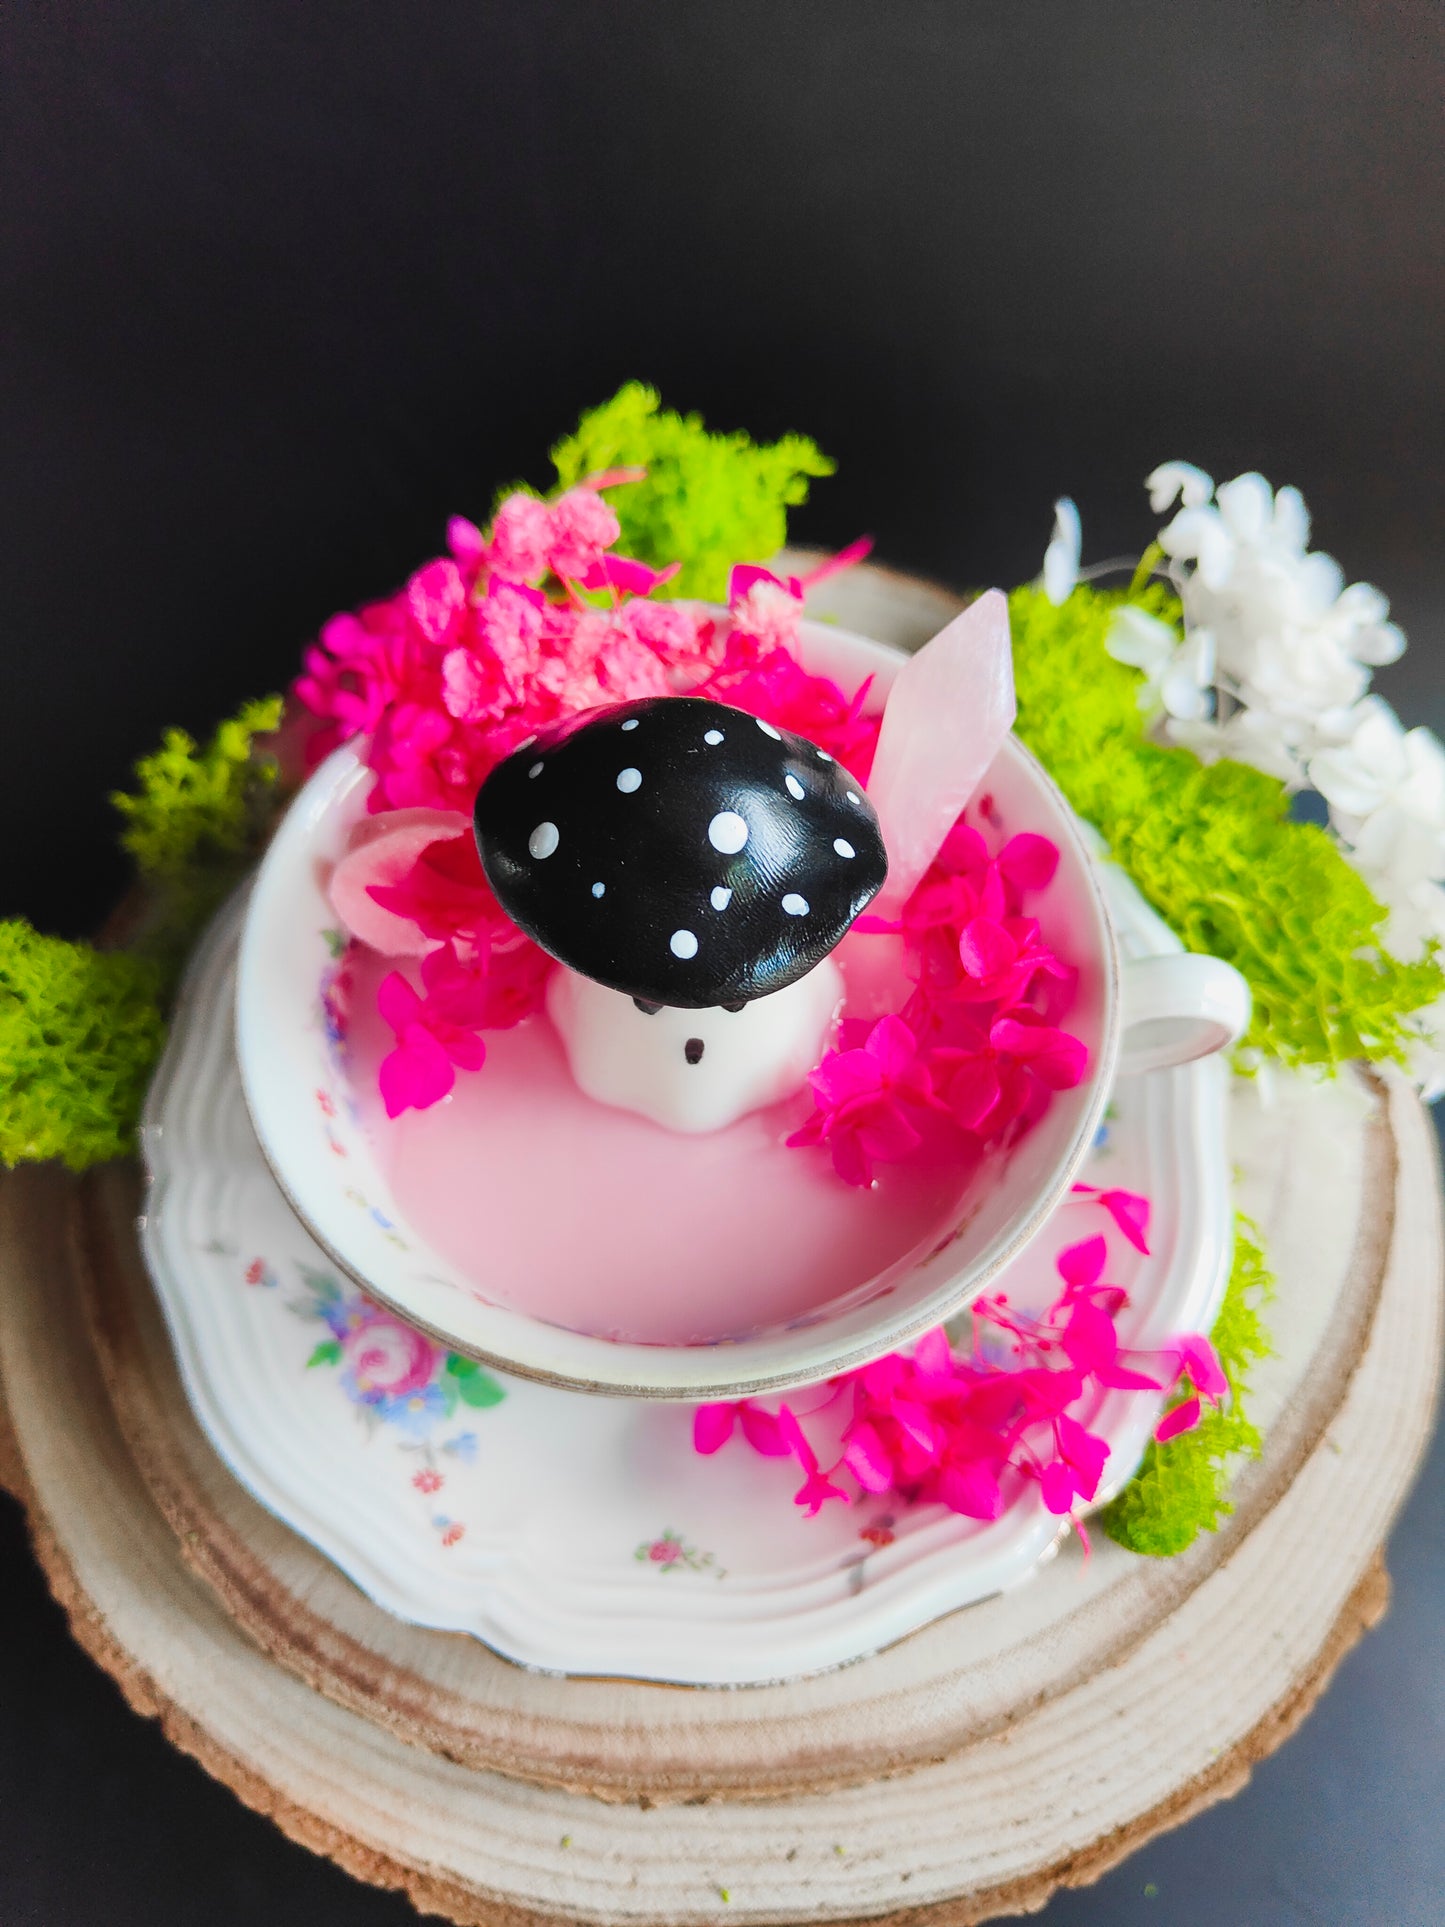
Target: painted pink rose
{"x":387,"y":1356}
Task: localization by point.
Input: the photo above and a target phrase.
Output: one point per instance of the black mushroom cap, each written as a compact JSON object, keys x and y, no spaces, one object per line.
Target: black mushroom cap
{"x":679,"y":850}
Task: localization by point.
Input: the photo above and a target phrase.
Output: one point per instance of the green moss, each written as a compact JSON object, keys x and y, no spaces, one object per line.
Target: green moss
{"x":1179,"y":1490}
{"x":81,"y":1028}
{"x":80,"y":1031}
{"x":195,"y":805}
{"x":709,"y":500}
{"x":197,"y":817}
{"x":1214,"y":848}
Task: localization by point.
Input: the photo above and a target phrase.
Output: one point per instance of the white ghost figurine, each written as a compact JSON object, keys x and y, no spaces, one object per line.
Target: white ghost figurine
{"x":693,"y":1070}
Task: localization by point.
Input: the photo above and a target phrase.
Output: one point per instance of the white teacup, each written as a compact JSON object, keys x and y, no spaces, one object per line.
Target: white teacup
{"x":1132,"y":1017}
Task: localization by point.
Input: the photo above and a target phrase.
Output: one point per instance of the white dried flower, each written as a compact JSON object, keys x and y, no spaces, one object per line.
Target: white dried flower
{"x":1386,"y":791}
{"x":1172,"y":481}
{"x":1426,"y":1063}
{"x":1061,"y":557}
{"x":1274,"y":671}
{"x":1178,"y":676}
{"x":1247,"y":736}
{"x":1199,"y":536}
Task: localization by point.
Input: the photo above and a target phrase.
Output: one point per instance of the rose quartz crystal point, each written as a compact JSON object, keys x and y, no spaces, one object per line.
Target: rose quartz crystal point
{"x":947,"y":715}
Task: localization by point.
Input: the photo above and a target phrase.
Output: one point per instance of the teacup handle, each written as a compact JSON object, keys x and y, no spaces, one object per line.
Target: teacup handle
{"x":1179,"y":1008}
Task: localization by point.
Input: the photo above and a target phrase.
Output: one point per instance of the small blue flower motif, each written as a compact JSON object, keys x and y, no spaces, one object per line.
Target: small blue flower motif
{"x":416,"y":1413}
{"x":380,"y":1218}
{"x":341,"y":1317}
{"x":394,"y":1374}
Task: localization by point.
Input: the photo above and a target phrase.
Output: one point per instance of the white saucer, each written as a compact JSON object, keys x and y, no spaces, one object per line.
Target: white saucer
{"x":582,"y":1534}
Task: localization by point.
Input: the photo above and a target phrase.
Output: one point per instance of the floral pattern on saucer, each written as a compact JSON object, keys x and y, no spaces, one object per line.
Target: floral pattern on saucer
{"x":670,"y":1552}
{"x":543,"y":1521}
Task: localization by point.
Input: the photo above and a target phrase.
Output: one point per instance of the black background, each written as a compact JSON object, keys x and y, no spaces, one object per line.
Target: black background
{"x":285,"y":284}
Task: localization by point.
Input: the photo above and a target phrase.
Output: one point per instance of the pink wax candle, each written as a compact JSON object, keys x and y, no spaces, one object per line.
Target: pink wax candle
{"x":597,"y":1219}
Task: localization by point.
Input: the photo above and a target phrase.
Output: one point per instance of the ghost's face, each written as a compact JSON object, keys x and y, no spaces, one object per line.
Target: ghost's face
{"x":693,"y":1070}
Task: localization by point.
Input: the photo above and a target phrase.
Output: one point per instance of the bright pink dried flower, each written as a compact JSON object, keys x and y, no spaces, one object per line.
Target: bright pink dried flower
{"x":1128,"y":1209}
{"x":625,"y":575}
{"x":583,"y":525}
{"x":765,"y":608}
{"x":971,"y":1488}
{"x":521,"y":539}
{"x":1051,"y":1055}
{"x":817,"y":1487}
{"x":436,"y":601}
{"x":1182,"y":1418}
{"x":955,"y":899}
{"x":682,"y":635}
{"x":466,"y":544}
{"x":1001,"y":959}
{"x":712,"y":1427}
{"x":967,"y":1432}
{"x":489,"y":673}
{"x":446,"y":893}
{"x":1195,"y":1363}
{"x":353,"y":674}
{"x":473,"y":688}
{"x":517,"y":972}
{"x":985,"y":1088}
{"x":1028,"y":861}
{"x":988,"y":1081}
{"x":431,"y":1046}
{"x":1084,"y":1452}
{"x":868,"y":1101}
{"x":467,"y":991}
{"x":1200,"y":1361}
{"x":604,"y":662}
{"x":856,"y":551}
{"x":773,"y":684}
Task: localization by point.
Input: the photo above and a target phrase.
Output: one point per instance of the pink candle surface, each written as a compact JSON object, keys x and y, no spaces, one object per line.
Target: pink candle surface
{"x":596,"y":1219}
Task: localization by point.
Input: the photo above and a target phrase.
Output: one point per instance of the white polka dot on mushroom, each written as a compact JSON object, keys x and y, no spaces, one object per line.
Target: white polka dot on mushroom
{"x":543,"y":840}
{"x":713,"y":736}
{"x":768,"y":729}
{"x":683,"y":944}
{"x":629,"y":780}
{"x":535,"y":770}
{"x":795,"y":905}
{"x":793,"y":787}
{"x":843,"y":846}
{"x":823,"y":756}
{"x":631,"y":723}
{"x":721,"y":897}
{"x":727,"y":832}
{"x":599,"y":889}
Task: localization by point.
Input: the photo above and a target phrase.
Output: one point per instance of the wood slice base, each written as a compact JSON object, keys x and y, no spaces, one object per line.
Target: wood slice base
{"x":420,"y":1761}
{"x":923,"y":1700}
